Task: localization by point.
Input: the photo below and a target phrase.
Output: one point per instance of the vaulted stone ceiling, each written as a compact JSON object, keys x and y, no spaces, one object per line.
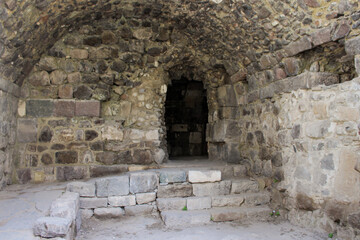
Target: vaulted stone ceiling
{"x":232,"y":34}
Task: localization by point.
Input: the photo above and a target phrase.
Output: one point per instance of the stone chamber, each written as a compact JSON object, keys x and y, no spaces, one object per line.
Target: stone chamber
{"x":90,"y":88}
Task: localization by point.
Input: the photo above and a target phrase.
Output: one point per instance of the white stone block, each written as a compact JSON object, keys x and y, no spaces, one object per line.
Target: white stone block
{"x":121,"y":201}
{"x":112,"y":133}
{"x":204,"y":176}
{"x":198,"y":203}
{"x":142,"y":198}
{"x":84,"y":189}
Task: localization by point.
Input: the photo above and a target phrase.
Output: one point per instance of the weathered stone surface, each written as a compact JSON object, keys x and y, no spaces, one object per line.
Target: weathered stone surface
{"x":66,"y":157}
{"x":165,"y":204}
{"x":79,"y":53}
{"x":211,"y":189}
{"x":299,"y":46}
{"x":198,"y":203}
{"x":58,"y":77}
{"x":354,"y":220}
{"x":174,"y":190}
{"x":64,"y":108}
{"x":352,"y":46}
{"x":236,"y":213}
{"x":24,"y":175}
{"x":172,"y":176}
{"x":45,"y":134}
{"x":244,"y":185}
{"x":87,"y":108}
{"x":321,"y":36}
{"x":70,"y":172}
{"x":46,"y":159}
{"x":39,"y":108}
{"x":204,"y":176}
{"x":112,"y":186}
{"x":93,"y":202}
{"x":143,"y":182}
{"x":142,"y":198}
{"x":122,"y":201}
{"x":327,"y":162}
{"x":112,"y":133}
{"x":141,"y":156}
{"x":138,"y":210}
{"x":67,"y":206}
{"x":226,"y":96}
{"x":255,"y":199}
{"x":51,"y":227}
{"x":39,"y":79}
{"x":185,"y":218}
{"x":86,"y":214}
{"x":317,"y":129}
{"x":66,"y":91}
{"x":227,"y":201}
{"x":105,"y":213}
{"x":99,"y":171}
{"x":341,"y":31}
{"x":83,"y":188}
{"x":27,"y":130}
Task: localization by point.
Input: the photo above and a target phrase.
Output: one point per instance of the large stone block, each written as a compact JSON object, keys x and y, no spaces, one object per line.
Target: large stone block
{"x":297,"y":47}
{"x":93,"y":202}
{"x":212,"y":189}
{"x":174,"y":190}
{"x":39,"y":108}
{"x":27,"y":130}
{"x":122,"y":201}
{"x":165,"y":204}
{"x":83,"y":188}
{"x":51,"y":227}
{"x":66,"y":157}
{"x":142,"y":198}
{"x":67,"y":206}
{"x":64,"y":108}
{"x":139,"y":210}
{"x":112,"y":133}
{"x":243,"y":186}
{"x":318,"y":129}
{"x":352,"y":46}
{"x":89,"y":108}
{"x":227,"y":201}
{"x":112,"y":186}
{"x":321,"y":36}
{"x":198,"y":203}
{"x":105,"y":213}
{"x":172,"y":176}
{"x":199,"y":176}
{"x":143,"y":182}
{"x":226,"y":96}
{"x":141,"y":156}
{"x":70,"y":172}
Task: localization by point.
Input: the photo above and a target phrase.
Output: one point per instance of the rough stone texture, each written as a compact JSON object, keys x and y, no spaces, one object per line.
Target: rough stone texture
{"x":27,"y":130}
{"x":172,"y":176}
{"x":211,"y":189}
{"x":236,"y":214}
{"x":104,"y":213}
{"x":122,"y":201}
{"x":165,"y":204}
{"x":84,"y":189}
{"x":185,"y":218}
{"x":227,"y":201}
{"x":142,"y":198}
{"x":51,"y":227}
{"x":198,"y":203}
{"x":204,"y":176}
{"x":143,"y":182}
{"x":139,"y":210}
{"x":243,"y":186}
{"x":87,"y":108}
{"x":112,"y":186}
{"x":93,"y":202}
{"x":175,"y":190}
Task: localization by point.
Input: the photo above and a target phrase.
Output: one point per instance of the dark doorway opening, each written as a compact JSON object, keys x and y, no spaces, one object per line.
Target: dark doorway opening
{"x":186,"y":116}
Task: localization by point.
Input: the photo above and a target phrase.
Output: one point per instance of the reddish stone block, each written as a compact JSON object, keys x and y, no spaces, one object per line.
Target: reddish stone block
{"x":64,"y":108}
{"x":89,"y":108}
{"x":66,"y":91}
{"x":321,"y":36}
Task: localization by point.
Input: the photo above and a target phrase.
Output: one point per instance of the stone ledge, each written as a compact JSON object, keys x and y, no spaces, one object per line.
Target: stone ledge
{"x":62,"y":108}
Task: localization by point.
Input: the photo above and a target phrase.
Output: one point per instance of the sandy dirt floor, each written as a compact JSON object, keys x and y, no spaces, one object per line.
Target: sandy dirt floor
{"x":151,"y":228}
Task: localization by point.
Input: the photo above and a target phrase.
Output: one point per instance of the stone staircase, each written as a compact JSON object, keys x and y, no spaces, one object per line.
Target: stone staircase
{"x":211,"y":198}
{"x":181,"y":196}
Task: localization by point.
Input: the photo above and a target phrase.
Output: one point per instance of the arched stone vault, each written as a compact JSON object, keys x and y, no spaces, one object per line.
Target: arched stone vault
{"x":83,"y":85}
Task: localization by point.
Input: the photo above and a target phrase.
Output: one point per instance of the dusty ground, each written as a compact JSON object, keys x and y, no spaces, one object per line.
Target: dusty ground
{"x":149,"y":228}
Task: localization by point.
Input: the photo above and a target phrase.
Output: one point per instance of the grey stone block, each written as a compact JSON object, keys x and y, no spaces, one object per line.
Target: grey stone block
{"x":165,"y":204}
{"x":143,"y":182}
{"x":138,"y":210}
{"x":175,"y":190}
{"x":211,"y":189}
{"x":112,"y":186}
{"x":108,"y":212}
{"x":51,"y":227}
{"x":227,"y":201}
{"x":172,"y":176}
{"x":352,"y":46}
{"x":198,"y":203}
{"x":199,"y":176}
{"x":84,"y":189}
{"x":93,"y":202}
{"x":255,"y":199}
{"x":185,"y":218}
{"x":121,"y":201}
{"x":39,"y":108}
{"x":142,"y":198}
{"x":67,"y":206}
{"x":27,"y":130}
{"x":243,"y":186}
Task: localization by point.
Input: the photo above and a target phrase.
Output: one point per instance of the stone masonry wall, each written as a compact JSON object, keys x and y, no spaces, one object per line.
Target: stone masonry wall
{"x":9,"y":94}
{"x":320,"y":147}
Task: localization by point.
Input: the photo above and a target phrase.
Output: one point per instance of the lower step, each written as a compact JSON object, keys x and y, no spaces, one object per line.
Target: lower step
{"x":174,"y":218}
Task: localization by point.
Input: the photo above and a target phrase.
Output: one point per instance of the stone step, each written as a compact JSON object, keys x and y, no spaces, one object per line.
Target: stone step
{"x":239,"y":213}
{"x":244,"y":185}
{"x":185,"y":218}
